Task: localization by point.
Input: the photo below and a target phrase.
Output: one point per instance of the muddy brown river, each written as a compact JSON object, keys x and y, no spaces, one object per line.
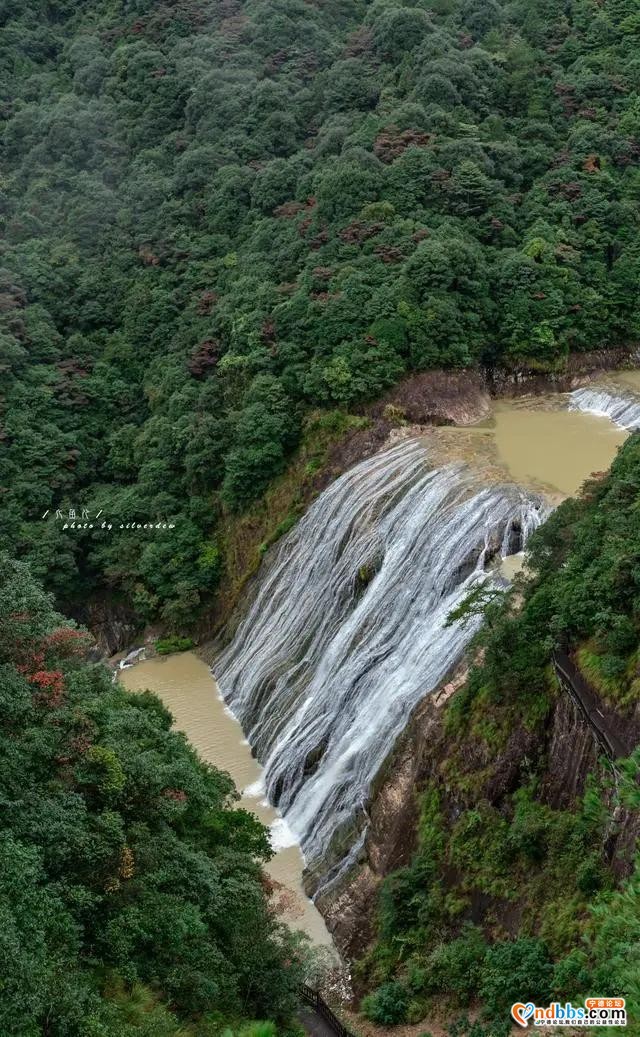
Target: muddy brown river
{"x":534,"y":441}
{"x":554,"y":450}
{"x":186,"y":687}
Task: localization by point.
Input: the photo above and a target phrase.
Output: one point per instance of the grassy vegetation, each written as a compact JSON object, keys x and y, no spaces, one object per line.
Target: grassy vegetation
{"x":616,"y":679}
{"x":169,"y":645}
{"x":492,"y":906}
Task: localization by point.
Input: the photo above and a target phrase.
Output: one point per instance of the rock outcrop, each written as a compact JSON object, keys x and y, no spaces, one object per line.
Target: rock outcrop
{"x":566,"y":752}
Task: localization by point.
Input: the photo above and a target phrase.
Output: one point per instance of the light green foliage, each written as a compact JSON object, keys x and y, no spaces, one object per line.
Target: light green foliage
{"x":167,"y":645}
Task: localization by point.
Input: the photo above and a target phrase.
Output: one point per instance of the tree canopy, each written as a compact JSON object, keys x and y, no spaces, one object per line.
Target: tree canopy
{"x":131,"y":891}
{"x":216,"y":215}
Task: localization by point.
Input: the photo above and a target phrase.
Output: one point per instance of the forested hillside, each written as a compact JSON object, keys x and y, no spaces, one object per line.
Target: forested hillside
{"x":217,"y":214}
{"x":523,"y":887}
{"x":131,"y":893}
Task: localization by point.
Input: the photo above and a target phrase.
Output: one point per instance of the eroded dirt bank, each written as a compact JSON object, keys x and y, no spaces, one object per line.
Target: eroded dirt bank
{"x":464,"y":397}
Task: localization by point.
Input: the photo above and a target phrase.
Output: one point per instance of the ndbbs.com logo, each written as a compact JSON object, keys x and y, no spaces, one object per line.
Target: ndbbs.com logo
{"x":596,"y":1011}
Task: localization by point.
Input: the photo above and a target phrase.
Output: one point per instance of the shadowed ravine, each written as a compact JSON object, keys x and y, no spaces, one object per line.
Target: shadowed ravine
{"x":346,"y":632}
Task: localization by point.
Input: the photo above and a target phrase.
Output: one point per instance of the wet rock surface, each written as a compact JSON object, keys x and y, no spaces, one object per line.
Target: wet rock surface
{"x":112,"y":623}
{"x":349,"y":908}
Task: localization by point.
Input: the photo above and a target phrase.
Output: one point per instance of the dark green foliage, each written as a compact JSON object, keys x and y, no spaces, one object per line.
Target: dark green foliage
{"x":518,"y":971}
{"x":213,"y":219}
{"x":387,"y":1005}
{"x":614,"y":942}
{"x":126,"y":874}
{"x":464,"y":1028}
{"x":456,"y":968}
{"x":571,"y":973}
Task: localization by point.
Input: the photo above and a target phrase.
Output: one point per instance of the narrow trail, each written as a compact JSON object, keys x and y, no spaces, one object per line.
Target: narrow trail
{"x":314,"y":1024}
{"x":590,"y":705}
{"x":317,"y":1018}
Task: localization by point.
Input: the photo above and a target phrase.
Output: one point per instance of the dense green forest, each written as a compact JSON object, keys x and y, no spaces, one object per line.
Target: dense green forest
{"x":219,"y":214}
{"x":225,"y":227}
{"x":131,"y":894}
{"x":510,"y":896}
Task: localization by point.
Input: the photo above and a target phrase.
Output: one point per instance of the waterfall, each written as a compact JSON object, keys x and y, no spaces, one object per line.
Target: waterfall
{"x":622,"y":407}
{"x":346,"y":632}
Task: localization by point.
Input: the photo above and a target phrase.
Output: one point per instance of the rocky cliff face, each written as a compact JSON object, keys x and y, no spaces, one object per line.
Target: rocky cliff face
{"x":572,"y":754}
{"x":580,"y":368}
{"x":349,"y":908}
{"x":565,"y":753}
{"x":113,"y":624}
{"x":464,"y":397}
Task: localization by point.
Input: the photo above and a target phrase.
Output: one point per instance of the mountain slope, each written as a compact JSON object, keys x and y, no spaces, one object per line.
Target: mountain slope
{"x":217,"y":214}
{"x":131,"y":894}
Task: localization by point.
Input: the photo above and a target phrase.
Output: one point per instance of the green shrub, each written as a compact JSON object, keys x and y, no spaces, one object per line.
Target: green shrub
{"x":463,"y":1027}
{"x":612,"y":666}
{"x":168,"y":645}
{"x":410,"y":898}
{"x":258,"y":1029}
{"x":528,"y":832}
{"x":571,"y":974}
{"x":590,"y":877}
{"x":456,"y":967}
{"x":416,"y":1010}
{"x":616,"y":634}
{"x":516,"y":971}
{"x":417,"y":977}
{"x":387,"y":1005}
{"x":479,"y":848}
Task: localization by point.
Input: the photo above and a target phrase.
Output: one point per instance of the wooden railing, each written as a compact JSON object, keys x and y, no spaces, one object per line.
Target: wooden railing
{"x":317,"y":1002}
{"x":575,"y":684}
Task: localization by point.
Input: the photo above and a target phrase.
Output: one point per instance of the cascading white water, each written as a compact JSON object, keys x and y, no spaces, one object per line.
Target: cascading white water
{"x":621,"y":406}
{"x":347,"y":630}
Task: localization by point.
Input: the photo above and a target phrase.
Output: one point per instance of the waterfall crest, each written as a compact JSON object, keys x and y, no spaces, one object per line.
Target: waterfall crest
{"x":622,"y":407}
{"x":347,"y":630}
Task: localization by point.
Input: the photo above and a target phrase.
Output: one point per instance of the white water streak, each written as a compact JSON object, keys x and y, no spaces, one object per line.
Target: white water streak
{"x":347,"y":630}
{"x":620,"y":406}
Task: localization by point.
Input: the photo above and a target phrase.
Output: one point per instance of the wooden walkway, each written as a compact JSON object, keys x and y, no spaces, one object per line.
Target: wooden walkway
{"x":317,"y":1018}
{"x":590,"y":705}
